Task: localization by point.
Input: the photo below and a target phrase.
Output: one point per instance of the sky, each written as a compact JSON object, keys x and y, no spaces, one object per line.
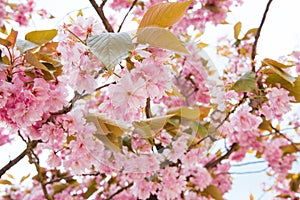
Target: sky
{"x":280,"y":36}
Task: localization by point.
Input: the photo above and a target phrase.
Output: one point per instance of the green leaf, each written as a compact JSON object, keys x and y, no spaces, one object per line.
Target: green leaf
{"x":276,"y":67}
{"x":199,"y":129}
{"x":41,"y":37}
{"x":247,"y":83}
{"x":92,"y":188}
{"x":214,"y":192}
{"x":110,"y":48}
{"x":164,"y":14}
{"x":294,"y":88}
{"x":148,"y":127}
{"x":237,"y":30}
{"x":59,"y":187}
{"x":186,"y":112}
{"x":24,"y":45}
{"x":161,"y":38}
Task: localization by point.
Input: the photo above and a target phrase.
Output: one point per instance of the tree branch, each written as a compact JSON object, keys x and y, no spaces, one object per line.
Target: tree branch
{"x":131,"y":7}
{"x":148,"y":108}
{"x":119,"y":191}
{"x":30,"y":145}
{"x":253,"y":55}
{"x":99,"y":10}
{"x":214,"y":163}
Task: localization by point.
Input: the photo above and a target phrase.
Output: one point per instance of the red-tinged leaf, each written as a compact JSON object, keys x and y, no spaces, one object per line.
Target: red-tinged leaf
{"x":12,"y":37}
{"x":164,"y":14}
{"x":32,"y":59}
{"x":5,"y":42}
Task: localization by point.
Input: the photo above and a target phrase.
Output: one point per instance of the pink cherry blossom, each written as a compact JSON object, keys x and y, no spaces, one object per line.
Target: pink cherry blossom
{"x":278,"y":103}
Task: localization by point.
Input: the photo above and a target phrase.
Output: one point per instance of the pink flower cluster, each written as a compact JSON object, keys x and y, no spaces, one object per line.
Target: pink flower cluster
{"x":27,"y":102}
{"x":79,"y":67}
{"x":126,"y":98}
{"x":278,"y":103}
{"x":20,"y":13}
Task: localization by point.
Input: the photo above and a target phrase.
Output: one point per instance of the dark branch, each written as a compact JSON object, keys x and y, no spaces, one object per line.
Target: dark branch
{"x":119,"y":191}
{"x":99,"y":10}
{"x":148,"y":108}
{"x":253,"y":55}
{"x":31,"y":145}
{"x":131,"y":7}
{"x":214,"y":163}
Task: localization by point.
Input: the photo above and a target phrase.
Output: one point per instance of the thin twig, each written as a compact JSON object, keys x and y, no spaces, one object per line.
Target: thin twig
{"x":70,"y":177}
{"x":285,"y":137}
{"x":131,"y":7}
{"x":120,"y":190}
{"x":253,"y":54}
{"x":99,"y":10}
{"x":30,"y":145}
{"x":214,"y":163}
{"x":36,"y":163}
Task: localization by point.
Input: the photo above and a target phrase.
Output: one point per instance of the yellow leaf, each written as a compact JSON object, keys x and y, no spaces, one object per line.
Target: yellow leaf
{"x":175,"y":92}
{"x":161,"y":38}
{"x":202,"y":45}
{"x":276,"y":67}
{"x":24,"y":178}
{"x":249,"y":33}
{"x":186,"y":112}
{"x":164,"y":14}
{"x":41,"y":37}
{"x":294,"y":88}
{"x":270,"y":62}
{"x":237,"y":30}
{"x":5,"y":182}
{"x":214,"y":192}
{"x":10,"y":176}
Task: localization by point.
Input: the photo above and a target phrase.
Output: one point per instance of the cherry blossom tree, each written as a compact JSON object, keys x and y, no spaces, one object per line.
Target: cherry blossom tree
{"x":136,"y":114}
